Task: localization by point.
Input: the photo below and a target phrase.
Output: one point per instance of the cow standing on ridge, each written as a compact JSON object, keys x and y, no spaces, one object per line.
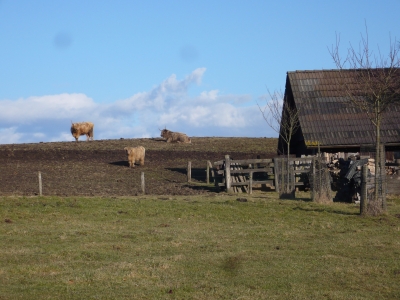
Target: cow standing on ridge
{"x":83,"y":128}
{"x":135,"y":155}
{"x":175,"y":137}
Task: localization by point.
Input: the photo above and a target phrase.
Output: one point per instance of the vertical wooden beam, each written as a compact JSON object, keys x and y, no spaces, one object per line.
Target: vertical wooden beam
{"x":189,"y":171}
{"x":208,"y":173}
{"x":251,"y":183}
{"x":282,"y":172}
{"x":143,"y":183}
{"x":293,"y":175}
{"x":276,"y":174}
{"x":40,"y":183}
{"x":228,"y":179}
{"x":212,"y":171}
{"x":364,"y":194}
{"x":313,"y":196}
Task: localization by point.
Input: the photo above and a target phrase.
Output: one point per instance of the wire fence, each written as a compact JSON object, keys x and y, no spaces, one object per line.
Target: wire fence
{"x":373,"y":181}
{"x":320,"y":181}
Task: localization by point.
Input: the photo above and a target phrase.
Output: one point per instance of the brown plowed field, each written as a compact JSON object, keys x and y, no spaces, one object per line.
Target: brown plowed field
{"x":100,"y":168}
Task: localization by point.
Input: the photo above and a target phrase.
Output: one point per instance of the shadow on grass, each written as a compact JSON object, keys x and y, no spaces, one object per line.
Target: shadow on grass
{"x":207,"y":188}
{"x":120,"y":163}
{"x":334,"y":211}
{"x":197,"y":173}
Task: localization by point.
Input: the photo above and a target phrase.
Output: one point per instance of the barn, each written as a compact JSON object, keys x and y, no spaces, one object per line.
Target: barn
{"x":328,"y":120}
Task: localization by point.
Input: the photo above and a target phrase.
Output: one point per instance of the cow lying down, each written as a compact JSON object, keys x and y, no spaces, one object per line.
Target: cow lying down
{"x":175,"y":137}
{"x":135,"y":155}
{"x":83,"y":128}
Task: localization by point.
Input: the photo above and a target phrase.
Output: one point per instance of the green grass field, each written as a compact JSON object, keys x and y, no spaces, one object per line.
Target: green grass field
{"x":196,"y":247}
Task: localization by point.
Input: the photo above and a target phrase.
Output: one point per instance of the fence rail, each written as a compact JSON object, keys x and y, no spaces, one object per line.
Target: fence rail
{"x":246,"y":173}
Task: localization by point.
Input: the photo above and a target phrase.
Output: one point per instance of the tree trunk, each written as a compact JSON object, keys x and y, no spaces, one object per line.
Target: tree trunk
{"x":377,"y":160}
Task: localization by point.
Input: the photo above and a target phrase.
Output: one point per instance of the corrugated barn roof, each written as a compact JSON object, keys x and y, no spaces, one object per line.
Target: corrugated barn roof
{"x":328,"y":117}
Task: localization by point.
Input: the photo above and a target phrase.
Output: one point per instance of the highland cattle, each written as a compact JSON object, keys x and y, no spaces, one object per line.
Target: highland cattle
{"x":175,"y":137}
{"x":83,"y":128}
{"x":135,"y":155}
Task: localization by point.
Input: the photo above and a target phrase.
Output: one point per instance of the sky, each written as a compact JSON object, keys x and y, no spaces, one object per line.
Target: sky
{"x":135,"y":67}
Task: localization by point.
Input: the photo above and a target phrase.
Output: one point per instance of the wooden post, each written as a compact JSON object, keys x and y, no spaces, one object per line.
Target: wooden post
{"x":228,"y":174}
{"x":293,"y":189}
{"x":251,"y":183}
{"x":212,"y":171}
{"x":189,"y":171}
{"x":142,"y":180}
{"x":319,"y":171}
{"x":313,"y":196}
{"x":40,"y":183}
{"x":282,"y":172}
{"x":276,"y":174}
{"x":364,"y":194}
{"x":208,"y":173}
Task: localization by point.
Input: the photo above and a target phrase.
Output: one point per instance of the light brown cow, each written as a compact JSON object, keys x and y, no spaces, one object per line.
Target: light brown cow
{"x":83,"y":128}
{"x":175,"y":137}
{"x":135,"y":155}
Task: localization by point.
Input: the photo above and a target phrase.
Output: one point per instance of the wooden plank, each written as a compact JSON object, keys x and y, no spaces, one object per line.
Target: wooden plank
{"x":301,"y":171}
{"x":270,"y":182}
{"x":253,"y":161}
{"x":241,"y":177}
{"x":235,"y":179}
{"x":228,"y":179}
{"x":246,"y":161}
{"x":248,"y":171}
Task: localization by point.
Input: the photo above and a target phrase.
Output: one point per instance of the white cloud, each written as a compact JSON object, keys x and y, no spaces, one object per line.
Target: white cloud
{"x":48,"y":118}
{"x":10,"y":136}
{"x":48,"y":107}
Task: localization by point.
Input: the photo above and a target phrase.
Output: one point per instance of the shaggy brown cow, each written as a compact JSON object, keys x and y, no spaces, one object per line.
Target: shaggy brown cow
{"x":135,"y":155}
{"x":175,"y":137}
{"x":78,"y":129}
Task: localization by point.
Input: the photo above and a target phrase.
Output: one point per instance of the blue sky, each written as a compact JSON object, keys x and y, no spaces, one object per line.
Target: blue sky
{"x":133,"y":67}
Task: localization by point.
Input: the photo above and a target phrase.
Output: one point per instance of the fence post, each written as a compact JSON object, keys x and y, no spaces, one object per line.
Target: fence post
{"x":189,"y":171}
{"x":212,"y":171}
{"x":208,"y":173}
{"x":364,"y":195}
{"x":293,"y":175}
{"x":276,"y":174}
{"x":143,"y":184}
{"x":228,"y":174}
{"x":313,"y":191}
{"x":251,"y":183}
{"x":282,"y":172}
{"x":40,"y":183}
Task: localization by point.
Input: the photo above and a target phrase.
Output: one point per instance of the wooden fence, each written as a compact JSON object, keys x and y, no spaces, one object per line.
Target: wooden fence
{"x":243,"y":175}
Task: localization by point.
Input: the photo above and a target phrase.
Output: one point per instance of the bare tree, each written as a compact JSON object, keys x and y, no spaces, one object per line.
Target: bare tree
{"x":372,"y":84}
{"x":284,"y":120}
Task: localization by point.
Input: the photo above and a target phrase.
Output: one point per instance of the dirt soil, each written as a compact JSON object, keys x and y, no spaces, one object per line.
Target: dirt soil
{"x":100,"y":168}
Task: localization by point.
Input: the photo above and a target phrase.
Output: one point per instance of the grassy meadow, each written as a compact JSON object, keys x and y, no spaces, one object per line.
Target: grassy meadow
{"x":196,"y":247}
